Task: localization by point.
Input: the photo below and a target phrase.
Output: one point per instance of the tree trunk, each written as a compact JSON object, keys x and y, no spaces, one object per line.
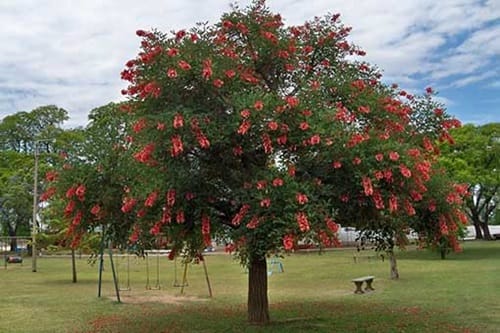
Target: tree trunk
{"x":394,"y":265}
{"x":479,"y":232}
{"x":258,"y":304}
{"x":486,"y":231}
{"x":73,"y":264}
{"x":443,"y":253}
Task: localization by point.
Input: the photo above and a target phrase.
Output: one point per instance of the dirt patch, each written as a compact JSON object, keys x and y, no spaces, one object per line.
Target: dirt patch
{"x":155,"y":296}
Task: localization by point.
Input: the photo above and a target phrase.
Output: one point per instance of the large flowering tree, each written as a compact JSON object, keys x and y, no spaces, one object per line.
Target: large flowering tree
{"x":261,"y":135}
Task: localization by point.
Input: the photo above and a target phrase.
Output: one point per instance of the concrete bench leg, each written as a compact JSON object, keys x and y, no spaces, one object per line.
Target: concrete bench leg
{"x":369,"y":285}
{"x":358,"y":290}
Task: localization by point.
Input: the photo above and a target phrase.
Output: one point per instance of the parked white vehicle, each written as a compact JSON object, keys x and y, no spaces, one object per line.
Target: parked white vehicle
{"x":470,"y":232}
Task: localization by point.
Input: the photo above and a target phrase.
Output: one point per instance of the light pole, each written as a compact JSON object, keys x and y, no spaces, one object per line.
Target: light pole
{"x":34,"y":229}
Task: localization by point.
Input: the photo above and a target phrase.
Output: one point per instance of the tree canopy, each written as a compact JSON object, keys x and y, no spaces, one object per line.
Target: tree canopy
{"x":475,"y":160}
{"x":261,"y":135}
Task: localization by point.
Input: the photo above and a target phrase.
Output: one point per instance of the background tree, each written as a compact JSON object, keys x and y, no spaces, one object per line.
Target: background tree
{"x":475,"y":160}
{"x":258,"y":135}
{"x":19,"y":133}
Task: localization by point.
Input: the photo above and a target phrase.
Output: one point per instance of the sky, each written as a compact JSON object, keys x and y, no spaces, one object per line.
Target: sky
{"x":70,"y":52}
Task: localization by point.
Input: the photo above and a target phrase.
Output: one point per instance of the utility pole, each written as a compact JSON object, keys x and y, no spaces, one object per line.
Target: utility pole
{"x":34,"y":228}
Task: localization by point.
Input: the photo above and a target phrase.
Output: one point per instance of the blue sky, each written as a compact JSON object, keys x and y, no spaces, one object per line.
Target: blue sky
{"x":70,"y":52}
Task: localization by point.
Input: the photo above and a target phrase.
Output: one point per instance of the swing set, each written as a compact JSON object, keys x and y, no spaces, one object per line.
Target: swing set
{"x":149,"y":286}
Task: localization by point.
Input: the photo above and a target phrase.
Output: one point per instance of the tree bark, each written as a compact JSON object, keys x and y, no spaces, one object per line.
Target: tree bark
{"x":479,"y":232}
{"x":394,"y":265}
{"x":443,"y":253}
{"x":73,"y":264}
{"x":258,"y":304}
{"x":486,"y":231}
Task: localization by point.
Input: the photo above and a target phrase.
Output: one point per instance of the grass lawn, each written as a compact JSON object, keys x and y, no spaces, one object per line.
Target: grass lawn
{"x":314,"y":294}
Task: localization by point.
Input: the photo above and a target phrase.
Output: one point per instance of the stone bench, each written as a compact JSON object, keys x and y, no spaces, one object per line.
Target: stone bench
{"x":358,"y":282}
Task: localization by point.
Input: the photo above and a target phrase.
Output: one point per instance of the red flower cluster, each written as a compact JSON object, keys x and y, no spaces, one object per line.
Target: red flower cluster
{"x":302,"y":221}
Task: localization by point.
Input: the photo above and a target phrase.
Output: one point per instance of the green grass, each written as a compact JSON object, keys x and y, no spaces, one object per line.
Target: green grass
{"x":314,"y":294}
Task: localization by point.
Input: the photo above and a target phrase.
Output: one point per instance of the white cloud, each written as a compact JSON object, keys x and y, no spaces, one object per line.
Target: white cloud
{"x":70,"y":53}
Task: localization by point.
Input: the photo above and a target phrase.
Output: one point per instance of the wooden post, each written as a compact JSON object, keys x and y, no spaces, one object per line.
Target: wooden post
{"x":184,"y":278}
{"x":206,"y":275}
{"x":115,"y":280}
{"x":101,"y":265}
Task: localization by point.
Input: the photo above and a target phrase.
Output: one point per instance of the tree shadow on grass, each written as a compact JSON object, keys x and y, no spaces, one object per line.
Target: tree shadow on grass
{"x":350,"y":316}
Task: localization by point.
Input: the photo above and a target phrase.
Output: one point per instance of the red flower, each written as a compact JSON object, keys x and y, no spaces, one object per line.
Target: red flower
{"x":315,"y":139}
{"x":80,"y":191}
{"x":277,"y":182}
{"x":160,"y":126}
{"x":261,"y":184}
{"x":51,"y":176}
{"x":405,"y":171}
{"x":292,"y":101}
{"x":139,"y":125}
{"x":128,"y":204}
{"x":334,"y":227}
{"x":95,"y":209}
{"x":172,"y":52}
{"x":172,"y":73}
{"x":388,"y":175}
{"x":202,"y":140}
{"x":302,"y":221}
{"x":337,"y":164}
{"x":171,"y":197}
{"x":178,"y":120}
{"x":70,"y":192}
{"x":206,"y":72}
{"x":151,"y":199}
{"x":267,"y":143}
{"x":379,"y":157}
{"x":218,"y":83}
{"x":364,"y":109}
{"x":282,"y":139}
{"x":377,"y":199}
{"x":301,"y":198}
{"x":48,"y":194}
{"x":265,"y":203}
{"x":244,"y":127}
{"x":272,"y":125}
{"x":237,"y":151}
{"x":245,"y":113}
{"x":315,"y":85}
{"x":69,"y":208}
{"x":240,"y":215}
{"x":410,"y":210}
{"x":379,"y":174}
{"x":291,"y":171}
{"x":304,"y":126}
{"x":254,"y":222}
{"x":428,"y":145}
{"x":230,"y":73}
{"x":177,"y":146}
{"x":144,"y":155}
{"x":393,"y":156}
{"x":367,"y":186}
{"x":356,"y":161}
{"x":288,"y":242}
{"x":242,"y":28}
{"x":258,"y":105}
{"x":180,"y":34}
{"x":205,"y":229}
{"x":179,"y":218}
{"x":155,"y":230}
{"x":184,"y":65}
{"x":393,"y":203}
{"x":134,"y":237}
